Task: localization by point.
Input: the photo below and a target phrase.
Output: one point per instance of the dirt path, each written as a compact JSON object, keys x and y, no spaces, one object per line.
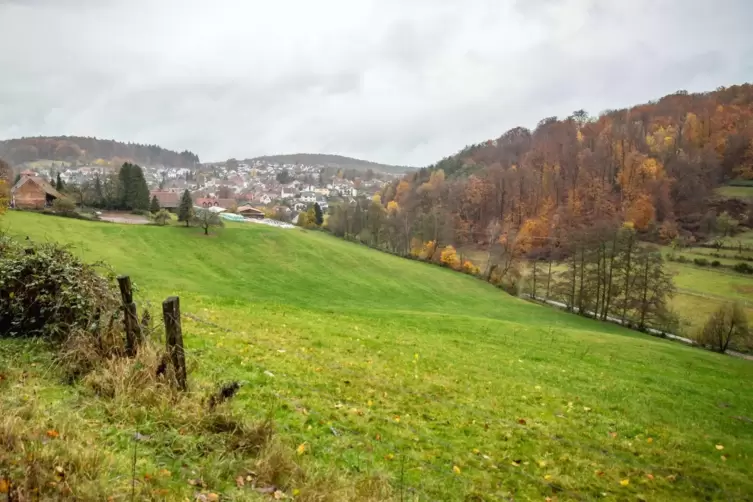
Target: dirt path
{"x":131,"y":219}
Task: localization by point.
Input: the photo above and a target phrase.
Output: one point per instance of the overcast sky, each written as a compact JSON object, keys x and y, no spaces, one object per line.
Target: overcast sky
{"x":394,"y":81}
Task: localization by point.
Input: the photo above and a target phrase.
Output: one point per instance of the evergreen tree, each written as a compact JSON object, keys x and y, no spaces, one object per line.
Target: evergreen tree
{"x":133,"y":193}
{"x":98,"y":193}
{"x":59,"y":183}
{"x":185,"y":211}
{"x":318,"y":216}
{"x":154,"y":206}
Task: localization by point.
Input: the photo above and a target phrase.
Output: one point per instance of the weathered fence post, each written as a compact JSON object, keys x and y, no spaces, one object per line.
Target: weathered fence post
{"x":174,"y":337}
{"x":130,"y":317}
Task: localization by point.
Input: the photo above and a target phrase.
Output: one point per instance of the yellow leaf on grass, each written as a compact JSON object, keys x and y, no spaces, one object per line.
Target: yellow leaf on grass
{"x":625,"y":482}
{"x":301,"y":449}
{"x":4,"y":485}
{"x":278,"y":495}
{"x":456,"y":469}
{"x":542,"y":463}
{"x":476,"y":451}
{"x":52,"y":433}
{"x":650,"y":440}
{"x":397,"y":419}
{"x":719,"y":447}
{"x":548,"y":477}
{"x":213,"y":497}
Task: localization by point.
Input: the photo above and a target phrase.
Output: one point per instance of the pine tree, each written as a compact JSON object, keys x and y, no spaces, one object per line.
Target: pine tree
{"x":154,"y":206}
{"x":98,"y":193}
{"x":185,"y":211}
{"x":59,"y":183}
{"x":318,"y":216}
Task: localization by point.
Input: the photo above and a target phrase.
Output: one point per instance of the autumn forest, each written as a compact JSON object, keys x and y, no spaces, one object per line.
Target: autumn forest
{"x":576,"y":191}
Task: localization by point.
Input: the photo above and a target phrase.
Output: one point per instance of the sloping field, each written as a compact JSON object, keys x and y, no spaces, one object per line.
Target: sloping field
{"x":443,"y":385}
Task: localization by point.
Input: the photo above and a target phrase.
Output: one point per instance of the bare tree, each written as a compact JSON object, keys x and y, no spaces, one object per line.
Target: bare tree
{"x":206,"y":219}
{"x":728,"y":323}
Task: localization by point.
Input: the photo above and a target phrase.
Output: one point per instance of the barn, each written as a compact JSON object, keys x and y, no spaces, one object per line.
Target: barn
{"x":33,"y":192}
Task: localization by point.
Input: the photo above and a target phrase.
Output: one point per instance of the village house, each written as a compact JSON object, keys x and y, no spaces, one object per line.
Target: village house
{"x":308,"y":197}
{"x":33,"y":192}
{"x":215,"y":202}
{"x":167,"y":199}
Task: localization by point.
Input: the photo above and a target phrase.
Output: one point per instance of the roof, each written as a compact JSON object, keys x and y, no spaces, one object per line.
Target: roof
{"x":166,"y":199}
{"x":208,"y":202}
{"x":41,"y":182}
{"x":249,"y":209}
{"x":308,"y":194}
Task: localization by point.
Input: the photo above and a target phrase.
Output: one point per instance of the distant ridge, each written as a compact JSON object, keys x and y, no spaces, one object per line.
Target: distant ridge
{"x":338,"y":161}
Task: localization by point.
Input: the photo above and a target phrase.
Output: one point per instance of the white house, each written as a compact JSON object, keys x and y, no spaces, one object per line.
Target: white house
{"x":265,"y":199}
{"x":308,"y":197}
{"x":299,"y":206}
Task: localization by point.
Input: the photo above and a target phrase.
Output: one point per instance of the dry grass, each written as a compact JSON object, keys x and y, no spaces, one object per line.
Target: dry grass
{"x":60,"y":454}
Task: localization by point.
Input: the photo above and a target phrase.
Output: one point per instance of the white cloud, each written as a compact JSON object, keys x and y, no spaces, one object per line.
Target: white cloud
{"x":387,"y":80}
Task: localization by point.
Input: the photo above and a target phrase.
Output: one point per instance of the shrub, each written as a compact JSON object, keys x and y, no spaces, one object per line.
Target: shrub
{"x":161,"y":217}
{"x":701,"y":262}
{"x":743,"y":268}
{"x":715,"y":263}
{"x":671,"y":257}
{"x":428,"y":250}
{"x":46,"y":291}
{"x":682,"y":259}
{"x":449,"y":258}
{"x":63,"y":206}
{"x":470,"y":268}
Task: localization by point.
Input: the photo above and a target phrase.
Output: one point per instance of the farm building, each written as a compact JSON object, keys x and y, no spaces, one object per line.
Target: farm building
{"x":167,"y":200}
{"x":250,"y":212}
{"x":33,"y":192}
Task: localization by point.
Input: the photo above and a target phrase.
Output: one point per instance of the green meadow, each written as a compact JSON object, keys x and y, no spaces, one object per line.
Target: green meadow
{"x":372,"y":365}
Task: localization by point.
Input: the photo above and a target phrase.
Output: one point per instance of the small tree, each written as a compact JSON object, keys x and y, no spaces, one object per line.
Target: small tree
{"x":303,"y":219}
{"x":161,"y":217}
{"x":59,"y":183}
{"x":318,"y":215}
{"x":185,"y":211}
{"x":311,"y":217}
{"x":63,"y":206}
{"x":449,"y":258}
{"x":205,"y":219}
{"x":154,"y":205}
{"x":728,"y":323}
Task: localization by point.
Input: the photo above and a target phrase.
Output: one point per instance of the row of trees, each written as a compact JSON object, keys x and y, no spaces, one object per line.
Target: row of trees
{"x":125,"y":190}
{"x":607,"y":274}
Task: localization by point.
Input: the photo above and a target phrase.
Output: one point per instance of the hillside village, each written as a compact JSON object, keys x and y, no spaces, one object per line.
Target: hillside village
{"x":282,"y":190}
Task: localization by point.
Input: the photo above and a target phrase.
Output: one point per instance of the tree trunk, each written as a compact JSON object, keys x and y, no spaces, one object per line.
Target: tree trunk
{"x":626,"y":289}
{"x":549,"y":277}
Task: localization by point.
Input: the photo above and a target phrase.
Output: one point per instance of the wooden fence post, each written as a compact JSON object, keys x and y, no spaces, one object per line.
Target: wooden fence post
{"x":174,"y":336}
{"x":130,"y":317}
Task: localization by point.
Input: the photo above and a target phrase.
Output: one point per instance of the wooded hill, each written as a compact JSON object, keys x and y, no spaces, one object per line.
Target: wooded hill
{"x":85,"y":150}
{"x":335,"y":161}
{"x":653,"y":165}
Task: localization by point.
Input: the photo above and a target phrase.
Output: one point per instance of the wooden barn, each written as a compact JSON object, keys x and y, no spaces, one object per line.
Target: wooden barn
{"x":250,"y":212}
{"x":33,"y":192}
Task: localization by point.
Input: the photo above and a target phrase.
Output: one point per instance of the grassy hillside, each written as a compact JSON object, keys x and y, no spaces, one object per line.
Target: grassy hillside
{"x":438,"y":382}
{"x":338,"y":161}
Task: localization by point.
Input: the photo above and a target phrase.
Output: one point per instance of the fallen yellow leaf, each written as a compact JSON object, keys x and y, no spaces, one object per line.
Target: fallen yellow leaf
{"x":278,"y":495}
{"x":301,"y":449}
{"x":52,"y":433}
{"x":4,"y":485}
{"x":296,"y":492}
{"x":625,"y":482}
{"x":456,"y":469}
{"x":213,"y":497}
{"x":719,"y":447}
{"x":476,"y":451}
{"x":397,"y":419}
{"x":548,"y":477}
{"x":650,"y":440}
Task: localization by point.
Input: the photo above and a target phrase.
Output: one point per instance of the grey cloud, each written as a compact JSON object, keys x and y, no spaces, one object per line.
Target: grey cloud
{"x":391,"y":81}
